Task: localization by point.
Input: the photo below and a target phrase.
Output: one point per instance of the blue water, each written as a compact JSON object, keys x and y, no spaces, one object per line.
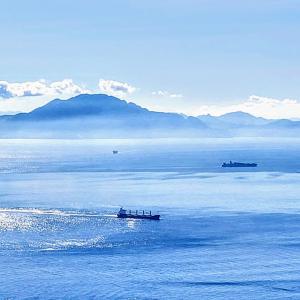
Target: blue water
{"x":224,"y":234}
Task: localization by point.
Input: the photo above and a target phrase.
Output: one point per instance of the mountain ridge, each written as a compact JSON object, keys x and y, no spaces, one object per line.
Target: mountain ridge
{"x":100,"y":115}
{"x":97,"y":115}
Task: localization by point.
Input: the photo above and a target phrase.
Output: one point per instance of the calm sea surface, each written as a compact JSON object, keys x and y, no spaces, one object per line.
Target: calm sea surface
{"x":224,"y":233}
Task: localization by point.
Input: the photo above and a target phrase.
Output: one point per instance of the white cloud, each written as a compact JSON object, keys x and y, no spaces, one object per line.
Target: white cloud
{"x":258,"y":106}
{"x":22,"y":104}
{"x":166,"y":94}
{"x":39,"y":88}
{"x":115,"y":88}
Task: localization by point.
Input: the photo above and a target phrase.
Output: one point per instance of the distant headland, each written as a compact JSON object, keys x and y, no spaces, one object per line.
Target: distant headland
{"x":103,"y":116}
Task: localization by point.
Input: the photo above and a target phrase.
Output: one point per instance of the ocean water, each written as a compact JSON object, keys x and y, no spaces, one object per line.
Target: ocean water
{"x":223,"y":234}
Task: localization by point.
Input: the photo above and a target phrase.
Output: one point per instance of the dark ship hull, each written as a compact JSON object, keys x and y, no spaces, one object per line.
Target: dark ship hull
{"x":133,"y":216}
{"x":238,"y":165}
{"x":129,"y":214}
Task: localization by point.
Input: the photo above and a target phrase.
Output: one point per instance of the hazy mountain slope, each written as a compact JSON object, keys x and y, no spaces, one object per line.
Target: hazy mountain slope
{"x":102,"y":116}
{"x":243,"y":119}
{"x":233,"y":119}
{"x":97,"y":115}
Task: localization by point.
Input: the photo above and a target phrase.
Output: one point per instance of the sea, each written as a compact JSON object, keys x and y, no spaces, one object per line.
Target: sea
{"x":224,"y":233}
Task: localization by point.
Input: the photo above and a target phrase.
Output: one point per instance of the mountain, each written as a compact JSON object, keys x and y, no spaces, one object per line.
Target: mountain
{"x":233,"y":119}
{"x":211,"y":121}
{"x":102,"y":116}
{"x":284,"y":127}
{"x":82,"y":106}
{"x":284,"y":124}
{"x":243,"y":119}
{"x":243,"y":124}
{"x":97,"y":115}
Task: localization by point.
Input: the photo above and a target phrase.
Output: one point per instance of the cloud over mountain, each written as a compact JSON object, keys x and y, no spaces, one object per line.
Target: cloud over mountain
{"x":115,"y":88}
{"x":259,"y":106}
{"x":271,"y":107}
{"x":39,"y":88}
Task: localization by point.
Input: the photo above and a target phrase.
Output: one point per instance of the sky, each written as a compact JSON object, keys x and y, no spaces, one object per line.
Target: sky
{"x":188,"y":56}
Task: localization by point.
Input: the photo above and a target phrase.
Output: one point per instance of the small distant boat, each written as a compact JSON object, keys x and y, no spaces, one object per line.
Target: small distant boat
{"x":238,"y":165}
{"x":136,"y":215}
{"x":115,"y":152}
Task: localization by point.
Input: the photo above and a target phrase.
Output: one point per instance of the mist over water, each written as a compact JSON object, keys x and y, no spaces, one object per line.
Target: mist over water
{"x":224,"y":234}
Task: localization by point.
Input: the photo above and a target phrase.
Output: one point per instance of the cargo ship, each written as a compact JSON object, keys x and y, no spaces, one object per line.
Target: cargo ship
{"x":238,"y":165}
{"x":123,"y":213}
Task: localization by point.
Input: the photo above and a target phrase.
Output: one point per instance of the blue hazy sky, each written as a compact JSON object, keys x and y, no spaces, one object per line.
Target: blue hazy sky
{"x":213,"y":53}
